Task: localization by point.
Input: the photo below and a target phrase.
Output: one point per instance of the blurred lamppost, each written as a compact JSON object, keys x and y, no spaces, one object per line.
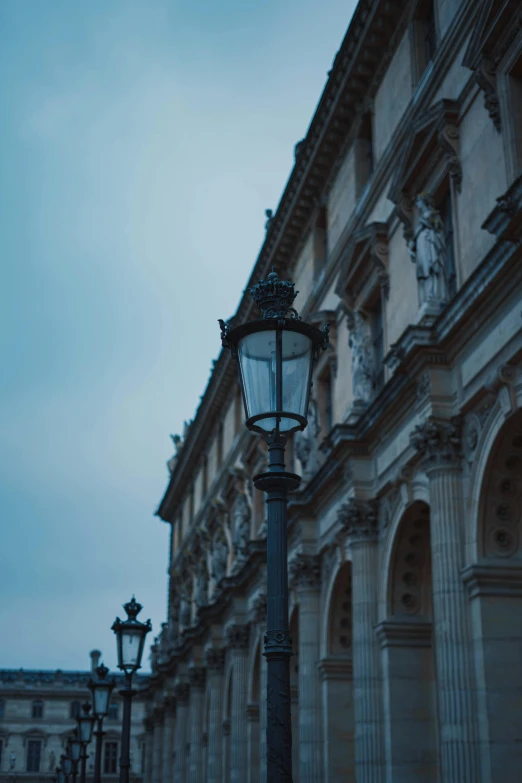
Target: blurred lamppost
{"x":66,"y":764}
{"x":74,"y":748}
{"x":60,"y":775}
{"x":86,"y":723}
{"x":101,"y":688}
{"x":130,"y":635}
{"x":275,"y":357}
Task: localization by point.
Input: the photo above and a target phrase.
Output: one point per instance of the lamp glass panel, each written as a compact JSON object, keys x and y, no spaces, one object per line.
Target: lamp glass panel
{"x":101,"y":700}
{"x":86,"y":725}
{"x":67,"y":765}
{"x":131,"y":647}
{"x":76,"y":749}
{"x":257,"y":353}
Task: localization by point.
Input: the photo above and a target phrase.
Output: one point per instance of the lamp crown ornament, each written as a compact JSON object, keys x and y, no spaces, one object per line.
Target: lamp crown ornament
{"x":275,"y":297}
{"x":86,"y":707}
{"x":133,"y":608}
{"x":102,"y":671}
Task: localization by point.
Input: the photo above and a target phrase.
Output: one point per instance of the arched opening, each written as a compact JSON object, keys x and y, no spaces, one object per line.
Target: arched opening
{"x":407,"y":653}
{"x":294,"y":692}
{"x":337,"y":683}
{"x":495,"y":589}
{"x":253,"y":712}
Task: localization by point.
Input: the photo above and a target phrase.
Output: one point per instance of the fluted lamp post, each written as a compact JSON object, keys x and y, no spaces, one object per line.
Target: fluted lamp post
{"x":130,"y":635}
{"x":101,"y":688}
{"x":275,"y":357}
{"x":86,"y":723}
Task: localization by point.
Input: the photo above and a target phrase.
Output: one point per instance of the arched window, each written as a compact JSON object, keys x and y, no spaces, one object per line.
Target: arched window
{"x":75,"y":709}
{"x":38,"y":709}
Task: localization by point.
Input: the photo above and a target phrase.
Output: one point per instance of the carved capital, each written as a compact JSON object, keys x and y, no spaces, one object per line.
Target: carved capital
{"x":196,"y":675}
{"x":237,"y":636}
{"x":305,"y":571}
{"x":257,"y":611}
{"x":359,"y":520}
{"x":181,"y":692}
{"x":438,"y":442}
{"x":215,"y":659}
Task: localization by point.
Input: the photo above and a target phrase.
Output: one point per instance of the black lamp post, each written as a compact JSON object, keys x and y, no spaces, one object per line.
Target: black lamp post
{"x":86,"y":723}
{"x":101,"y":688}
{"x":66,"y":764}
{"x":74,"y":748}
{"x":130,"y":635}
{"x":60,"y":775}
{"x":275,"y":357}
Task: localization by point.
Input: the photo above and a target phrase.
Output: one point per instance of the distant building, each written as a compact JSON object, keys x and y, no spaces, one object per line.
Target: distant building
{"x":38,"y":712}
{"x":401,"y":224}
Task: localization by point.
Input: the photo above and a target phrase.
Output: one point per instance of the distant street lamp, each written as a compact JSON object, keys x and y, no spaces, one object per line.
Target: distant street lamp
{"x":130,"y":635}
{"x":275,"y":357}
{"x":86,"y":723}
{"x":60,"y":775}
{"x":101,"y":688}
{"x":66,"y":764}
{"x":74,"y":748}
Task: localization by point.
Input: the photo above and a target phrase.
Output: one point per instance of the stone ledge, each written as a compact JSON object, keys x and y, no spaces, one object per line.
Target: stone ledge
{"x":493,"y":579}
{"x":414,"y":632}
{"x":335,"y":669}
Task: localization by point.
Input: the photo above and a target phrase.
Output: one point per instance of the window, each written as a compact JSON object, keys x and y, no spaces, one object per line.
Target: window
{"x":325,"y":402}
{"x":320,"y":241}
{"x":364,"y":159}
{"x":34,"y":750}
{"x":38,"y":709}
{"x":205,"y":475}
{"x":114,"y":708}
{"x":377,"y":332}
{"x":1,"y":752}
{"x":220,"y":445}
{"x":430,"y":32}
{"x":110,"y":759}
{"x":514,"y":123}
{"x":143,"y":750}
{"x":75,"y":709}
{"x":424,"y":37}
{"x":2,"y":708}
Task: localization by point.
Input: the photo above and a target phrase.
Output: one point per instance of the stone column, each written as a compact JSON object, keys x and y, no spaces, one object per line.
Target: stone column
{"x":214,"y":659}
{"x":157,"y":753}
{"x":168,"y":739}
{"x":237,"y":641}
{"x":305,"y":576}
{"x":359,"y":519}
{"x":253,"y":743}
{"x":439,"y":443}
{"x":197,"y":695}
{"x":181,"y":736}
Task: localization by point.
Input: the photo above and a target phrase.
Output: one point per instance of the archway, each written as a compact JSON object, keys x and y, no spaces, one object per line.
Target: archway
{"x":495,"y":589}
{"x":337,"y":683}
{"x":407,"y":654}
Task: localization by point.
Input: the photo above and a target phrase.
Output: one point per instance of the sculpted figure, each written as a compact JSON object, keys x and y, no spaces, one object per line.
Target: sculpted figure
{"x":306,"y":441}
{"x":52,"y":761}
{"x":219,"y":557}
{"x":429,"y":252}
{"x":241,"y":516}
{"x":363,"y":358}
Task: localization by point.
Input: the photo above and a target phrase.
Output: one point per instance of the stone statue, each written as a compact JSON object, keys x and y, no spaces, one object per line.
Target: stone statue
{"x":201,"y":590}
{"x":428,"y":251}
{"x":306,"y":441}
{"x":219,"y":558}
{"x":52,"y":761}
{"x":363,"y":358}
{"x":269,"y":218}
{"x":241,"y":516}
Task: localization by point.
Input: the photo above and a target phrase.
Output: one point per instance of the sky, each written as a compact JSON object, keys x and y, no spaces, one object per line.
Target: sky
{"x":140,"y":143}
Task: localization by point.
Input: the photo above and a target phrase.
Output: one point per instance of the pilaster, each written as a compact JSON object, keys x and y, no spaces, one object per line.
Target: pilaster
{"x":237,"y":642}
{"x":215,"y":660}
{"x":359,"y":520}
{"x":305,"y":578}
{"x":169,"y":723}
{"x":438,"y":443}
{"x":181,"y":693}
{"x":197,"y":684}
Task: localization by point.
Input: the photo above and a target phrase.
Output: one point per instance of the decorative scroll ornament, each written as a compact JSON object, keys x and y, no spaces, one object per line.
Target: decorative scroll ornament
{"x":305,"y":571}
{"x":359,"y":520}
{"x":438,"y":442}
{"x":275,"y":297}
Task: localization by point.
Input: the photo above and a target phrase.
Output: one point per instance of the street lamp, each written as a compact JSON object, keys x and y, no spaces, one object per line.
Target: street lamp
{"x":60,"y":775}
{"x":74,"y":749}
{"x":130,"y":635}
{"x":86,"y":723}
{"x":101,"y":688}
{"x":66,"y":765}
{"x":275,"y":357}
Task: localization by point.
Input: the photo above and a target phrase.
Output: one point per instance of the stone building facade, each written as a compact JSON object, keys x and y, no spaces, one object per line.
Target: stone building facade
{"x":38,"y":713}
{"x":401,"y":225}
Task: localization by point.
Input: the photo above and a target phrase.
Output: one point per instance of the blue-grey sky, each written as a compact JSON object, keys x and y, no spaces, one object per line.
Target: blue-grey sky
{"x":140,"y":143}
